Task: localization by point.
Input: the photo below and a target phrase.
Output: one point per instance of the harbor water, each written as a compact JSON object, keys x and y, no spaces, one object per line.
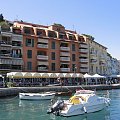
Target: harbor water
{"x":14,"y":109}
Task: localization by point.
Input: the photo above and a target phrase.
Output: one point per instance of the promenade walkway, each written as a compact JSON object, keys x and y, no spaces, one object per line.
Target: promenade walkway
{"x":14,"y":91}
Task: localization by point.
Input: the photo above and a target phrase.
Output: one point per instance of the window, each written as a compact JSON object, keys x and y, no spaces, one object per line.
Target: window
{"x":52,"y":34}
{"x":73,"y":57}
{"x":53,"y":45}
{"x":29,"y":42}
{"x":29,"y":65}
{"x":53,"y":55}
{"x":29,"y":54}
{"x":53,"y":67}
{"x":27,"y":30}
{"x":73,"y":47}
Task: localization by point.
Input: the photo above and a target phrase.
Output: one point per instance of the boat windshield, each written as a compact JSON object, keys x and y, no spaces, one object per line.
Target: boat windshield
{"x":84,"y":92}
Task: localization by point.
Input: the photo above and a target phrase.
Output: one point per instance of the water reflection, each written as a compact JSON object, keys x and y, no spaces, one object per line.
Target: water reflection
{"x":101,"y":115}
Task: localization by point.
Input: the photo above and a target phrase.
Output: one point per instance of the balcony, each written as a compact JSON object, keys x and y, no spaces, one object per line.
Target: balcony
{"x":42,"y":40}
{"x":17,"y":61}
{"x":93,"y":57}
{"x":5,"y":56}
{"x":65,"y":69}
{"x":65,"y":48}
{"x":85,"y":70}
{"x":5,"y":67}
{"x":6,"y":61}
{"x":93,"y":61}
{"x":42,"y":57}
{"x":83,"y":55}
{"x":42,"y":63}
{"x":42,"y":69}
{"x":17,"y":37}
{"x":83,"y":46}
{"x":83,"y":65}
{"x":64,"y":54}
{"x":6,"y":31}
{"x":83,"y":50}
{"x":102,"y":63}
{"x":42,"y":45}
{"x":92,"y":53}
{"x":8,"y":44}
{"x":65,"y":58}
{"x":83,"y":60}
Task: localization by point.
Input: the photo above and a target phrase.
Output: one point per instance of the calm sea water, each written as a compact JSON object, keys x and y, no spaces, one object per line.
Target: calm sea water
{"x":15,"y":109}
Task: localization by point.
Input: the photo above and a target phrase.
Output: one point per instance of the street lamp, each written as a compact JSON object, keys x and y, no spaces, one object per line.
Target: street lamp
{"x":75,"y":68}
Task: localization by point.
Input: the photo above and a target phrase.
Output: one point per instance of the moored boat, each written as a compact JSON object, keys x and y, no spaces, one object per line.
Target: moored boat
{"x":37,"y":96}
{"x":67,"y":93}
{"x":81,"y":102}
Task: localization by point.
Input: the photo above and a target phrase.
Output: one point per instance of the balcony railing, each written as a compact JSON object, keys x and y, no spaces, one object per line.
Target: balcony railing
{"x":83,"y":65}
{"x":17,"y":37}
{"x":65,"y":58}
{"x":92,"y":53}
{"x":84,"y":70}
{"x":17,"y":61}
{"x":42,"y":46}
{"x":42,"y":57}
{"x":65,"y":69}
{"x":65,"y":48}
{"x":65,"y":54}
{"x":83,"y":60}
{"x":93,"y":61}
{"x":8,"y":44}
{"x":6,"y":61}
{"x":42,"y":69}
{"x":5,"y":56}
{"x":83,"y":50}
{"x":83,"y":55}
{"x":83,"y":45}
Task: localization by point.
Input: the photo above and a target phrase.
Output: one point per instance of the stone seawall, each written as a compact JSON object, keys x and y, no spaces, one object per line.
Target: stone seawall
{"x":14,"y":91}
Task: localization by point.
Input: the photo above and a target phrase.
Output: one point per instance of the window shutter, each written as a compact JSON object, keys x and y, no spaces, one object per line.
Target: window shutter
{"x":32,"y":42}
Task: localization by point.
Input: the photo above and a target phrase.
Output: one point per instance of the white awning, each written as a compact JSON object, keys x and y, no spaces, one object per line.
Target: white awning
{"x":61,"y":75}
{"x":36,"y":75}
{"x":44,"y":75}
{"x":98,"y":76}
{"x":87,"y":76}
{"x":15,"y":75}
{"x":52,"y":75}
{"x":67,"y":75}
{"x":79,"y":75}
{"x":27,"y":75}
{"x":73,"y":75}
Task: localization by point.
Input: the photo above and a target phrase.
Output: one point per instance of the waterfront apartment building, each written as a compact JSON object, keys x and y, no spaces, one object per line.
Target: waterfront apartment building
{"x":50,"y":48}
{"x":31,"y":47}
{"x":97,"y":56}
{"x":10,"y":48}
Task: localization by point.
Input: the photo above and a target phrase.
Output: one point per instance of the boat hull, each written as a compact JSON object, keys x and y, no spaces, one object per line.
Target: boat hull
{"x":36,"y":96}
{"x":80,"y":109}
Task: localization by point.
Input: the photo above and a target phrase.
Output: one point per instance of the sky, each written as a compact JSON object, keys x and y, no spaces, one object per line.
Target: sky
{"x":99,"y":18}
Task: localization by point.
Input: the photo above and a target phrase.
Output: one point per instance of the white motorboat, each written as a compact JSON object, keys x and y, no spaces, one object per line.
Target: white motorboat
{"x":83,"y":101}
{"x":37,"y":96}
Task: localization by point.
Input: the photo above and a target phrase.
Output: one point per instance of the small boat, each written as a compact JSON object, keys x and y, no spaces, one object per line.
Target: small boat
{"x":82,"y":102}
{"x":68,"y":93}
{"x":37,"y":96}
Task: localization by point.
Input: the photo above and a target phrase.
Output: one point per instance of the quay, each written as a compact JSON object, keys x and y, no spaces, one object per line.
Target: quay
{"x":14,"y":91}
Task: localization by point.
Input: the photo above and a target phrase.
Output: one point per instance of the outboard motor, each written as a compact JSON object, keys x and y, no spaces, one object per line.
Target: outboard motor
{"x":56,"y":107}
